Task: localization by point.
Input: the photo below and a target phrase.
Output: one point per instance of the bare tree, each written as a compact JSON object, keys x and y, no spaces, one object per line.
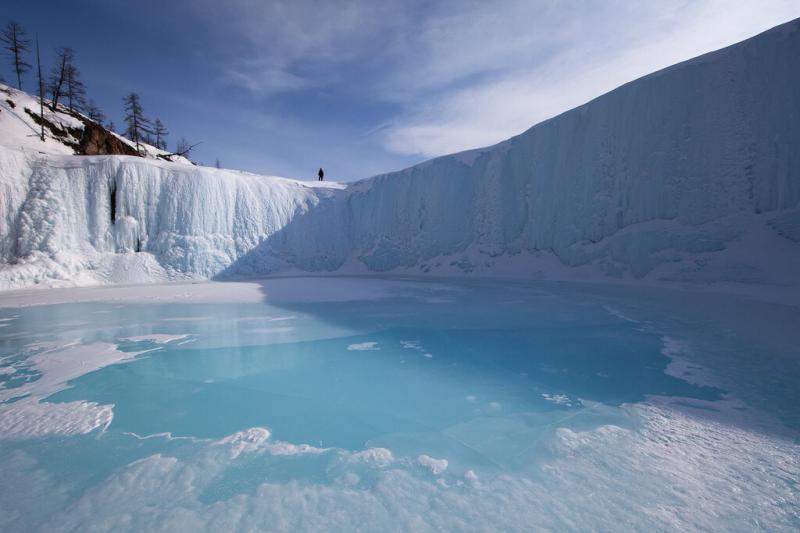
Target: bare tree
{"x":137,"y":126}
{"x":41,"y":88}
{"x":160,"y":131}
{"x":75,"y":89}
{"x":111,"y":126}
{"x":183,"y":148}
{"x":15,"y":43}
{"x":59,"y":75}
{"x":94,"y":113}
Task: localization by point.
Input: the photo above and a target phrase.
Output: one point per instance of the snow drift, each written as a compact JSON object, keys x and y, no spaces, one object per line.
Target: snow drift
{"x":690,"y":174}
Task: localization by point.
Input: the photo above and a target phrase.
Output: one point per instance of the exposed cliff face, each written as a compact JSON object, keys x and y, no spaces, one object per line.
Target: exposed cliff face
{"x":96,"y":140}
{"x":691,"y":174}
{"x":90,"y":138}
{"x":64,"y":216}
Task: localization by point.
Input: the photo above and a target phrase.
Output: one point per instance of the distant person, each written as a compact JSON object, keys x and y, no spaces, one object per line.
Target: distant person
{"x":321,"y":174}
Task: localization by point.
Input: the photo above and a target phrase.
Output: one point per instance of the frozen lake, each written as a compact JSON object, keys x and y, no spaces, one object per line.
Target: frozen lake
{"x":366,"y":404}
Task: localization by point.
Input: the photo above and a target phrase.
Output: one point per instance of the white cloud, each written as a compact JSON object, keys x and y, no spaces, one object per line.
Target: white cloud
{"x":264,"y":78}
{"x":605,"y":47}
{"x":285,"y":45}
{"x":471,"y":74}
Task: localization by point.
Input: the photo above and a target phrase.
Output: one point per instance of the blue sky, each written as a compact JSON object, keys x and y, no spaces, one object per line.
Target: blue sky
{"x":361,"y":88}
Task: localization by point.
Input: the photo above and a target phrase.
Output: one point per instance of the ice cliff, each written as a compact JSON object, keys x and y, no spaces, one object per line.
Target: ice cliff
{"x":691,"y":174}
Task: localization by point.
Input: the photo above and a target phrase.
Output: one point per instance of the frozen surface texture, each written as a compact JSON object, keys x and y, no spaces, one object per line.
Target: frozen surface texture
{"x":545,"y":407}
{"x":689,"y":175}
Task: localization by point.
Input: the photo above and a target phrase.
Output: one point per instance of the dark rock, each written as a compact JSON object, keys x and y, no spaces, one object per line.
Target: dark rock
{"x":96,"y":140}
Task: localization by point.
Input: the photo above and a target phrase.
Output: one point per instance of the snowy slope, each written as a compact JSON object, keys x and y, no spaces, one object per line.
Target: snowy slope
{"x":63,"y":132}
{"x":691,"y":174}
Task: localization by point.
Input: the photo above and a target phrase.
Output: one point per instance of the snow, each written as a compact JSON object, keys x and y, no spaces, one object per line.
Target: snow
{"x":157,"y":338}
{"x":36,"y":420}
{"x":22,"y":133}
{"x":596,"y":480}
{"x":380,"y":457}
{"x":273,"y":290}
{"x":29,"y":416}
{"x":245,"y":441}
{"x":363,"y":347}
{"x":436,"y":466}
{"x":689,"y":176}
{"x":60,"y":363}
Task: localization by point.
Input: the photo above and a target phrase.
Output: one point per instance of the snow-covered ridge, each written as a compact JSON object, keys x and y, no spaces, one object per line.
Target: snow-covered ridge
{"x":66,"y":132}
{"x":691,"y":174}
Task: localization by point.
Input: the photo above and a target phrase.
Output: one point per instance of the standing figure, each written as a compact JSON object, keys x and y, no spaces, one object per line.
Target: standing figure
{"x":321,"y":174}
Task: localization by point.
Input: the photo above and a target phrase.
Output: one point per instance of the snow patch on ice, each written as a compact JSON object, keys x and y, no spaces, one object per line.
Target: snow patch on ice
{"x":245,"y":441}
{"x":416,"y":346}
{"x":673,"y":472}
{"x":60,"y":362}
{"x":364,"y":346}
{"x":257,"y":440}
{"x":617,"y":313}
{"x":436,"y":466}
{"x":558,"y":399}
{"x":374,"y":456}
{"x":57,"y":363}
{"x":287,"y":448}
{"x":681,"y":366}
{"x":166,"y":435}
{"x":30,"y":420}
{"x":157,"y":338}
{"x":270,"y":290}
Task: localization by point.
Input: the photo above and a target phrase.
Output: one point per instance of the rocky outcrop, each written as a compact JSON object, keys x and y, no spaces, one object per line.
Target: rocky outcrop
{"x":91,"y":139}
{"x":68,"y":136}
{"x":96,"y":140}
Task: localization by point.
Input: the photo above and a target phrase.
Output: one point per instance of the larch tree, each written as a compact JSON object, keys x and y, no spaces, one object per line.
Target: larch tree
{"x":75,"y":89}
{"x":58,"y":76}
{"x":160,"y":132}
{"x":138,"y":127}
{"x":41,"y":88}
{"x":16,"y":45}
{"x":94,"y":113}
{"x":183,"y":148}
